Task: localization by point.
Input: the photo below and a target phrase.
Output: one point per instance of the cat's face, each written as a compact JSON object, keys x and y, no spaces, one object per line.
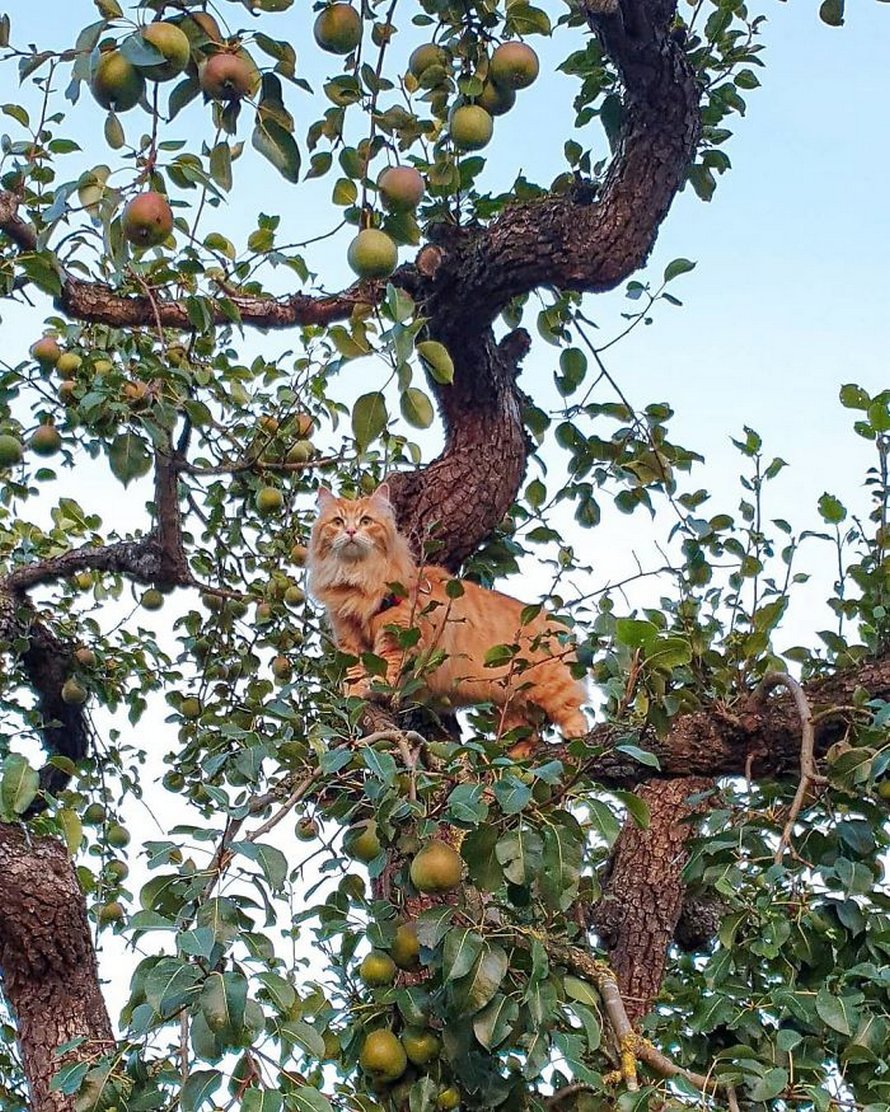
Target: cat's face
{"x":353,"y":530}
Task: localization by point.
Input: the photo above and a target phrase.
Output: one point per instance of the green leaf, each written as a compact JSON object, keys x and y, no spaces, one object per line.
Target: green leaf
{"x":270,"y":859}
{"x":473,"y":992}
{"x":416,"y":407}
{"x":637,"y":808}
{"x":221,"y":166}
{"x":462,"y":947}
{"x":303,"y":1035}
{"x":591,"y":1024}
{"x":495,"y":1022}
{"x":466,"y":804}
{"x":854,"y":397}
{"x":770,"y":1085}
{"x":129,"y":457}
{"x":573,"y":364}
{"x":305,"y":1098}
{"x":199,"y":1087}
{"x":642,"y":756}
{"x":223,"y":999}
{"x":563,"y":853}
{"x":369,"y":418}
{"x":479,"y":851}
{"x":581,"y":991}
{"x":831,"y":509}
{"x":676,"y":268}
{"x":520,"y":852}
{"x":836,"y":1011}
{"x":277,"y":145}
{"x":345,"y":192}
{"x":170,"y":984}
{"x":114,"y":132}
{"x":262,"y":1100}
{"x":498,"y":655}
{"x":512,"y":794}
{"x":436,"y":361}
{"x":19,"y":784}
{"x":635,"y":633}
{"x":282,"y":992}
{"x":72,"y":828}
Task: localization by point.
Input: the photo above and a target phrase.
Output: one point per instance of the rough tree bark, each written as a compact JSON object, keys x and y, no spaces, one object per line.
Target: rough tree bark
{"x":49,"y":966}
{"x":643,"y":894}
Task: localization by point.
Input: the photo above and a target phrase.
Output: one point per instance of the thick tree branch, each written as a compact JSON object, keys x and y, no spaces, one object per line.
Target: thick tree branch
{"x":100,"y":304}
{"x":567,"y":240}
{"x":761,"y":739}
{"x":643,"y":894}
{"x":451,"y":505}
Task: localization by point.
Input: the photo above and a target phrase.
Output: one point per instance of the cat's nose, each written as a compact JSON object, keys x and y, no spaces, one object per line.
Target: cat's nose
{"x":350,"y":531}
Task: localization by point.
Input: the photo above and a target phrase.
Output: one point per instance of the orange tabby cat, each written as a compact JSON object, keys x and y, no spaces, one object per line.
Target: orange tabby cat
{"x":362,"y":571}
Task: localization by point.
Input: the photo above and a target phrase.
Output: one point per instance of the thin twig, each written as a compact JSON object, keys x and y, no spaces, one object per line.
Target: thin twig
{"x":808,"y":774}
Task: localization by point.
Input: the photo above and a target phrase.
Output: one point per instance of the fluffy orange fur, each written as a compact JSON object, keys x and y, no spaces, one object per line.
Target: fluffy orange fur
{"x":358,"y":559}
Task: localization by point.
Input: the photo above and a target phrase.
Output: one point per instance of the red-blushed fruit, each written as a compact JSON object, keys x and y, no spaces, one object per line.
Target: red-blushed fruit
{"x":116,"y":83}
{"x":173,"y":43}
{"x":401,"y":188}
{"x":46,"y":351}
{"x":470,"y":127}
{"x":338,"y":28}
{"x":45,"y":440}
{"x":513,"y":65}
{"x":147,"y":220}
{"x":227,"y":76}
{"x":372,"y":254}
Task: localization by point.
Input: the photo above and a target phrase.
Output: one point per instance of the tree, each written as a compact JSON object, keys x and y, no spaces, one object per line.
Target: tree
{"x":728,"y":943}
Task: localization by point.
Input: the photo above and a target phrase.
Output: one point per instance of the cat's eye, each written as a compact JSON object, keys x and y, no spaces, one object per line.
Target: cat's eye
{"x":365,"y":520}
{"x":338,"y":520}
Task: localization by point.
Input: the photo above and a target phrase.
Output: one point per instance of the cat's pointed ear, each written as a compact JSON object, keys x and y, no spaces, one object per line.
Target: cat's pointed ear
{"x":325,"y":498}
{"x":381,"y":496}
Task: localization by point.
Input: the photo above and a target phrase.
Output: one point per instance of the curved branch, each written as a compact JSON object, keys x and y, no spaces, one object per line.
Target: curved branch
{"x":453,"y":503}
{"x":568,"y":240}
{"x":808,"y":775}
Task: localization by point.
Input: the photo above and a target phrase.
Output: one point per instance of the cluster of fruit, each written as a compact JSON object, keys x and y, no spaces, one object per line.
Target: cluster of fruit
{"x":385,"y":1056}
{"x":225,"y":70}
{"x":512,"y":66}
